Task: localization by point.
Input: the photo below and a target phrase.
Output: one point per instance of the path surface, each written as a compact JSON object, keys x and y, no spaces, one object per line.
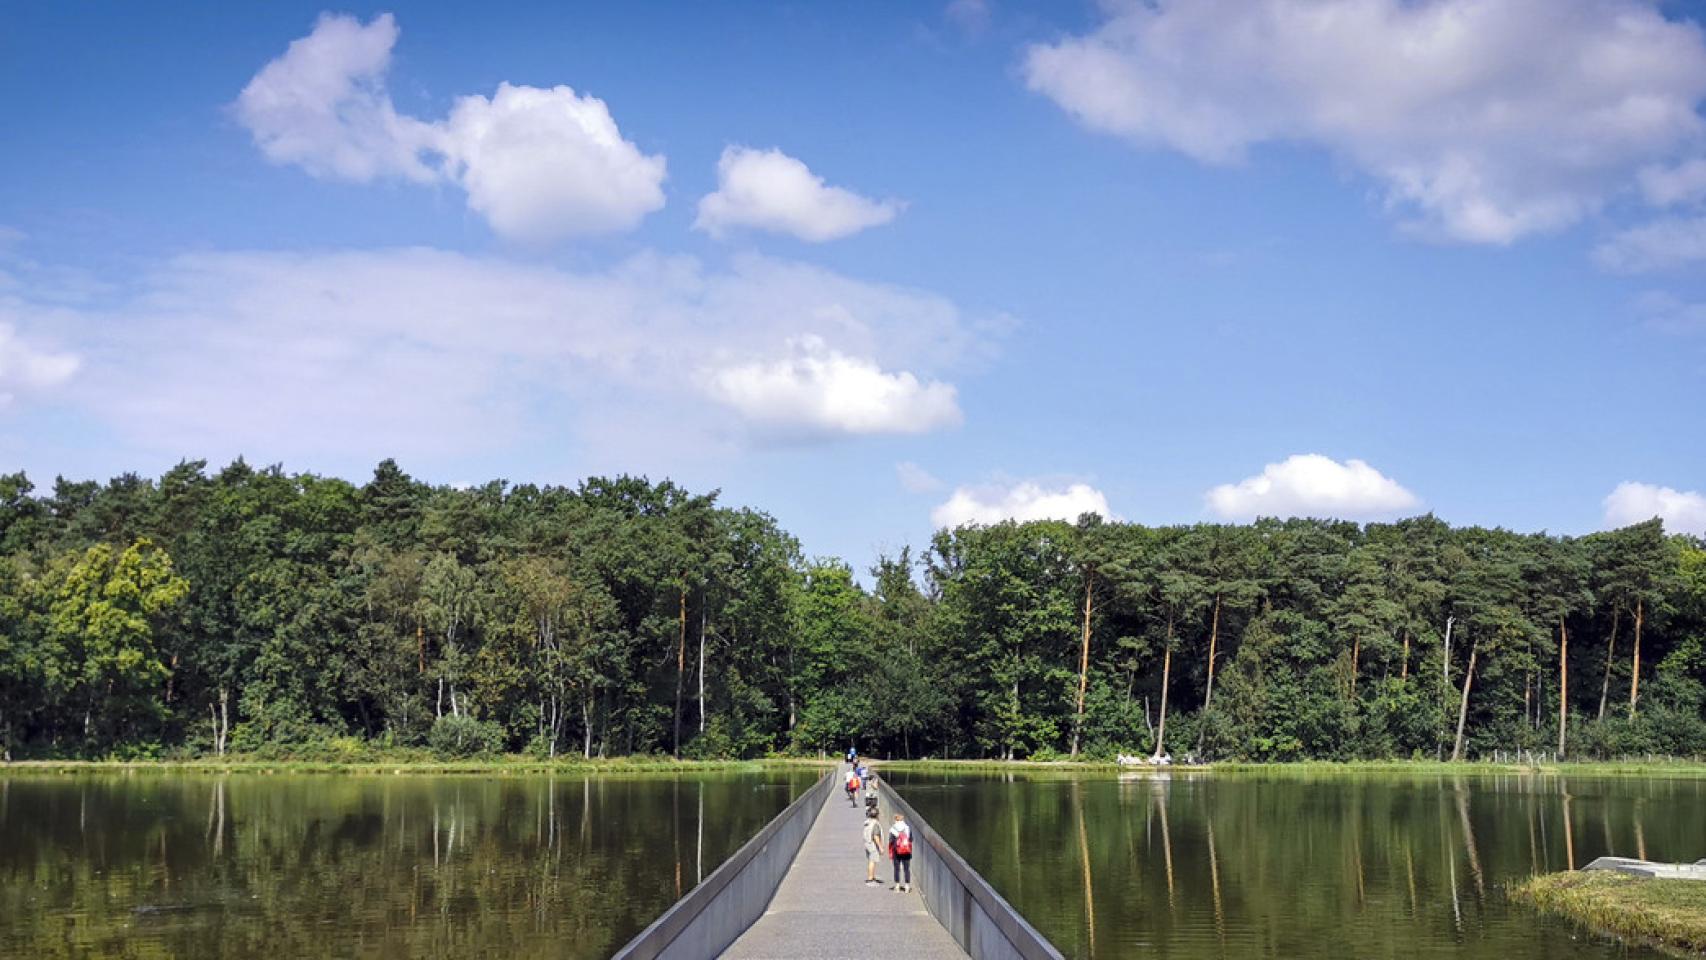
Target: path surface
{"x":824,"y":910}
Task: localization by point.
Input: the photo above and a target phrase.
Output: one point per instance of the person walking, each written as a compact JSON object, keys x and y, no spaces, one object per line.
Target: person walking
{"x":873,"y":846}
{"x":852,"y":788}
{"x":900,"y":853}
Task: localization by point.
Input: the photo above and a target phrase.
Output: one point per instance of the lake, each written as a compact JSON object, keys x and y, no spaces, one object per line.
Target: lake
{"x":372,"y":866}
{"x":1293,"y":864}
{"x":1184,"y":865}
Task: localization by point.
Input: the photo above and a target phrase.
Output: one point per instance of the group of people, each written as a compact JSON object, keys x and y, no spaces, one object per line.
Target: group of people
{"x":896,"y":844}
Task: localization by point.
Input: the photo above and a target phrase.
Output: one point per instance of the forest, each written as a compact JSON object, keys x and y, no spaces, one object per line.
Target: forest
{"x":259,"y":612}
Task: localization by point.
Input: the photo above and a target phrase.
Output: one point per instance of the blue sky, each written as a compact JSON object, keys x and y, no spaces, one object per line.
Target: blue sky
{"x":1175,"y":261}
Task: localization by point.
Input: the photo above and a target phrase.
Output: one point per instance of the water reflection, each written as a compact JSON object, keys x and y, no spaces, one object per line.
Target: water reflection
{"x":336,"y":866}
{"x":1290,"y":866}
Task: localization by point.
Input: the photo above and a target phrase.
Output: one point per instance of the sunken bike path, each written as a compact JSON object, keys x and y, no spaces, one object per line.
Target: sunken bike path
{"x":824,"y":911}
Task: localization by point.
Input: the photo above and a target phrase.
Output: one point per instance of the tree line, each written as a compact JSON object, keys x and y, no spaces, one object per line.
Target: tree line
{"x":259,"y":611}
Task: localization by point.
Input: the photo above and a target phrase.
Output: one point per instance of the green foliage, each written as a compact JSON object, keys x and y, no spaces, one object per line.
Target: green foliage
{"x":461,"y":737}
{"x":293,"y":615}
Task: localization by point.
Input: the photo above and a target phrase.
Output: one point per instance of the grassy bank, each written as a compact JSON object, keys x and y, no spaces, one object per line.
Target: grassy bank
{"x":502,"y":766}
{"x":1667,"y":912}
{"x":424,"y":762}
{"x":1671,"y":769}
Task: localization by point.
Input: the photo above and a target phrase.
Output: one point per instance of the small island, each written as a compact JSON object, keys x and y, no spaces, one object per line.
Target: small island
{"x":1669,"y":912}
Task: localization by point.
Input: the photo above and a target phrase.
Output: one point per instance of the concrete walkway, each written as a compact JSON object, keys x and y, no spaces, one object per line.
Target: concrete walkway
{"x":824,"y":910}
{"x":1647,"y":868}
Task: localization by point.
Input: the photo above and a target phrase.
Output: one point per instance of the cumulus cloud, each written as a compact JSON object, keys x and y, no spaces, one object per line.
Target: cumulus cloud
{"x":429,"y":354}
{"x":1481,"y":121}
{"x":915,"y":479}
{"x":1683,"y":511}
{"x":538,"y":164}
{"x":1315,"y":486}
{"x":323,"y":106}
{"x":816,"y":390}
{"x":1659,"y":245}
{"x":769,"y":190}
{"x":1023,"y":502}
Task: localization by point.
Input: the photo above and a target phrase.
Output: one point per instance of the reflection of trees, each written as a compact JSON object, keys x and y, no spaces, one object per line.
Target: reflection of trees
{"x":1291,"y":865}
{"x":325,"y":866}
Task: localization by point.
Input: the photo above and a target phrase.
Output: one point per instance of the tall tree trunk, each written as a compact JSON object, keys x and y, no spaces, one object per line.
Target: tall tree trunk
{"x":1610,"y":653}
{"x":1404,"y":670}
{"x":680,"y":670}
{"x":1635,"y":666}
{"x":1445,"y":662}
{"x":1563,"y":683}
{"x":1208,"y":691}
{"x":1213,"y":640}
{"x":1166,"y":677}
{"x":701,"y":664}
{"x":1463,"y":704}
{"x":586,"y":722}
{"x":1083,"y":659}
{"x":1356,"y":658}
{"x":420,"y":649}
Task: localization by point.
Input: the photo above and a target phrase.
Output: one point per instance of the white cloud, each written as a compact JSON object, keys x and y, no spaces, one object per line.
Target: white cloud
{"x":1312,"y":485}
{"x":428,"y":354}
{"x":769,"y":190}
{"x":1665,"y":186}
{"x":915,"y":479}
{"x":1683,"y":511}
{"x":1660,"y":245}
{"x":28,"y":367}
{"x":322,"y":105}
{"x":817,"y":391}
{"x":1489,"y":120}
{"x":1023,"y":502}
{"x":538,"y":164}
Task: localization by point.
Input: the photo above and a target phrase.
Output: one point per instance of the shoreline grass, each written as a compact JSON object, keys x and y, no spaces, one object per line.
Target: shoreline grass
{"x":1667,"y":913}
{"x":423,"y":762}
{"x":1682,"y":769}
{"x":420,"y":766}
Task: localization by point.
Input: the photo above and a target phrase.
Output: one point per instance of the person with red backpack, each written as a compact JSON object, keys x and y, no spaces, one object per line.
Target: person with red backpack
{"x":900,"y":853}
{"x":852,"y":788}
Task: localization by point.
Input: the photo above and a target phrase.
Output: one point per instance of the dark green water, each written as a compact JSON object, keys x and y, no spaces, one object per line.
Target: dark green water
{"x":1247,"y":865}
{"x":283,"y":867}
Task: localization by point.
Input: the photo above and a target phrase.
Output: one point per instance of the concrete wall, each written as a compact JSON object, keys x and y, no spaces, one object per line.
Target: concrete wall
{"x":716,"y":912}
{"x":983,"y":923}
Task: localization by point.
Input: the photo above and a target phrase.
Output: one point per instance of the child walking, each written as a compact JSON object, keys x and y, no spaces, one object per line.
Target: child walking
{"x":873,"y":846}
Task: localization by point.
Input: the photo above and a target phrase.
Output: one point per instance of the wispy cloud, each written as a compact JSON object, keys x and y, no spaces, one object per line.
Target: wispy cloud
{"x":1482,"y":122}
{"x":915,"y":479}
{"x":422,"y":352}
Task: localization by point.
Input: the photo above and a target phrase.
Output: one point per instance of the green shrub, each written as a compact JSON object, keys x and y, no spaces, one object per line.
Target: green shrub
{"x":458,"y":737}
